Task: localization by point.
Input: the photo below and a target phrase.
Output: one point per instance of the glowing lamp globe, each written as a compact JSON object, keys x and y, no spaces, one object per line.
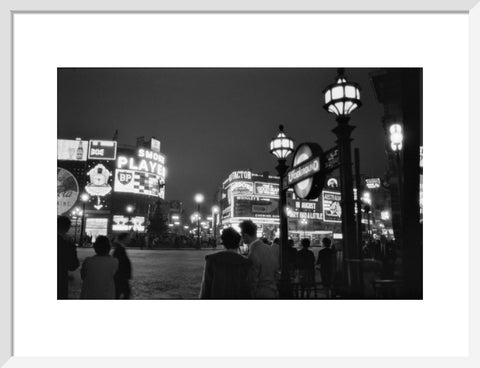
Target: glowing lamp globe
{"x":342,"y":97}
{"x":281,"y":146}
{"x":396,"y":137}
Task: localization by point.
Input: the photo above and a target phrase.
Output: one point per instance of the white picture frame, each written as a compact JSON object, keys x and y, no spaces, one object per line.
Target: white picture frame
{"x":8,"y":11}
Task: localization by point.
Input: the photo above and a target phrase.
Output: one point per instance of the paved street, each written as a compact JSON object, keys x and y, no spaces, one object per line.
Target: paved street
{"x":159,"y":274}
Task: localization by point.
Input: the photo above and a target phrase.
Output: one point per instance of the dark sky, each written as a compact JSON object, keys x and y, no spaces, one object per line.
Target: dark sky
{"x":213,"y":121}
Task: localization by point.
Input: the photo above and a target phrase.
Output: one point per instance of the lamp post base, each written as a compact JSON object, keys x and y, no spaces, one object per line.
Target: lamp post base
{"x":285,"y":288}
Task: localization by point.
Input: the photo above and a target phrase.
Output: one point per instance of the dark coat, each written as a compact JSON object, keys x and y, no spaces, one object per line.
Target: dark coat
{"x":66,"y":261}
{"x":124,"y":266}
{"x":225,"y":276}
{"x":326,"y":260}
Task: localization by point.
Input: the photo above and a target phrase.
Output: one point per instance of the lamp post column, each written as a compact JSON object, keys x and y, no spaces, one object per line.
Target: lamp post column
{"x":198,"y":226}
{"x":351,"y":253}
{"x":285,"y":286}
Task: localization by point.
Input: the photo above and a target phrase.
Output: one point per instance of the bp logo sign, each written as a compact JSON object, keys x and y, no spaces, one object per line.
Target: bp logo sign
{"x":307,"y":175}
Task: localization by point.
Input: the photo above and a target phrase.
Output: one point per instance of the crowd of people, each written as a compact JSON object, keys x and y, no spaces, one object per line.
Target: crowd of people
{"x":104,"y":276}
{"x":228,"y":274}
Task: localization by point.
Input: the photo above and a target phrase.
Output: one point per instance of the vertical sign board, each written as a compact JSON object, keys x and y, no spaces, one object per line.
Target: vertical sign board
{"x":332,"y":210}
{"x":155,"y":145}
{"x":102,"y":150}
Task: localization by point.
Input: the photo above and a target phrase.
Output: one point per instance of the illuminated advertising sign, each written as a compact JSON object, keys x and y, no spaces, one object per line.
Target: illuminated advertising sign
{"x":372,"y":183}
{"x":332,"y":210}
{"x":98,"y":185}
{"x":264,"y":207}
{"x":241,"y":187}
{"x":146,"y":161}
{"x":102,"y":150}
{"x":72,"y":150}
{"x":332,"y":183}
{"x":130,"y":181}
{"x":123,"y":223}
{"x":266,"y":189}
{"x":332,"y":158}
{"x":305,"y":206}
{"x":240,"y":175}
{"x":67,"y":190}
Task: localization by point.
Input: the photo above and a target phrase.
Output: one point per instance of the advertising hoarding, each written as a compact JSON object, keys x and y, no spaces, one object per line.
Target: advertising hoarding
{"x":139,"y":182}
{"x":262,"y":207}
{"x":372,"y":183}
{"x":98,"y":185}
{"x":67,"y":191}
{"x":102,"y":150}
{"x":266,"y":189}
{"x":155,"y":145}
{"x":72,"y":150}
{"x":123,"y":223}
{"x":332,"y":210}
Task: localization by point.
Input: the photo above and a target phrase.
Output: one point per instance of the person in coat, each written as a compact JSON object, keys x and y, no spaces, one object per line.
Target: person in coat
{"x":326,"y":260}
{"x":124,"y":273}
{"x":98,"y":272}
{"x":67,"y":259}
{"x":226,"y":272}
{"x":263,"y":273}
{"x":305,"y":265}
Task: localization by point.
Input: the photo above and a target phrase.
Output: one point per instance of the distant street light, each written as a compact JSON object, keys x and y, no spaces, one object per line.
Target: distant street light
{"x":76,"y":213}
{"x":396,"y":143}
{"x":198,"y":199}
{"x":341,"y":99}
{"x":281,"y":147}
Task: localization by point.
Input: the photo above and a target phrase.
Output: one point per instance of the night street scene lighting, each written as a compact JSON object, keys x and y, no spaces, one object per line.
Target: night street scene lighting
{"x":173,"y":163}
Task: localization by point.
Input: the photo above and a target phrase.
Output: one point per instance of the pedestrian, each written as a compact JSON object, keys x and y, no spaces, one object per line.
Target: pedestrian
{"x":305,"y":265}
{"x":263,"y":272}
{"x":326,"y":260}
{"x":225,"y":275}
{"x":124,"y":273}
{"x":276,"y":250}
{"x":67,"y":259}
{"x":98,"y":272}
{"x":291,"y":259}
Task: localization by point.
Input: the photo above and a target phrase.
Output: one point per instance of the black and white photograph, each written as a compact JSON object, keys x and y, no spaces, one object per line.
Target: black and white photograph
{"x":240,"y":183}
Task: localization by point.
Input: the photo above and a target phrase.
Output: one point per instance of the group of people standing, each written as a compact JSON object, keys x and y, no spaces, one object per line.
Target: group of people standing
{"x":104,"y":276}
{"x":231,"y":275}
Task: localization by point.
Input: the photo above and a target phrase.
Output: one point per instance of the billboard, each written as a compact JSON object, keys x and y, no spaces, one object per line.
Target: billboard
{"x":72,"y":150}
{"x":155,"y":145}
{"x":261,"y":207}
{"x":372,"y":183}
{"x":139,"y":182}
{"x":98,"y":185}
{"x":266,"y":189}
{"x":241,"y":187}
{"x":332,"y":210}
{"x":67,"y":191}
{"x":102,"y":150}
{"x":123,"y":223}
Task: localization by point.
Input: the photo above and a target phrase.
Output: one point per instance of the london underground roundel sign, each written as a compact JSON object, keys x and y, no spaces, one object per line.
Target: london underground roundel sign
{"x":307,"y":175}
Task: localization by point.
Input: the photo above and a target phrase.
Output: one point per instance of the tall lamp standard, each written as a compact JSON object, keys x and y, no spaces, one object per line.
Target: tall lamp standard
{"x":215,"y":211}
{"x":76,"y":213}
{"x":198,"y":199}
{"x":341,"y":99}
{"x":84,"y":198}
{"x":281,"y":146}
{"x":396,"y":143}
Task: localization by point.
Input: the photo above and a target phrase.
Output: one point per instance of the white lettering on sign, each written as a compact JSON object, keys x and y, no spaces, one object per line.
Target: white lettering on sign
{"x":142,"y":165}
{"x":144,"y":153}
{"x":242,"y":187}
{"x":268,"y":189}
{"x":304,"y":171}
{"x":240,"y":175}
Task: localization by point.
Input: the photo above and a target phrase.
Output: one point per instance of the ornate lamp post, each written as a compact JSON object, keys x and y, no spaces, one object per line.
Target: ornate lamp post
{"x":341,"y":99}
{"x":198,"y":199}
{"x":396,"y":143}
{"x":84,"y":198}
{"x":281,"y":146}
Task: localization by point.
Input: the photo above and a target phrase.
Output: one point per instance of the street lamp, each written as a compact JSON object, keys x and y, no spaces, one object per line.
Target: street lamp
{"x":341,"y":99}
{"x":84,"y":198}
{"x":396,"y":143}
{"x":368,"y":210}
{"x":130,"y":210}
{"x":304,"y":223}
{"x":215,"y":211}
{"x":281,"y":146}
{"x":198,"y":199}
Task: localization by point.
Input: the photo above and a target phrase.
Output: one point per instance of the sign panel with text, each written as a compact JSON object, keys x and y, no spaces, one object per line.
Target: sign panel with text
{"x":331,"y":203}
{"x":72,"y":150}
{"x":102,"y":150}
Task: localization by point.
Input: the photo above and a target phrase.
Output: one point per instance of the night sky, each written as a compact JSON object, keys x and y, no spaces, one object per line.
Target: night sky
{"x":214,"y":121}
